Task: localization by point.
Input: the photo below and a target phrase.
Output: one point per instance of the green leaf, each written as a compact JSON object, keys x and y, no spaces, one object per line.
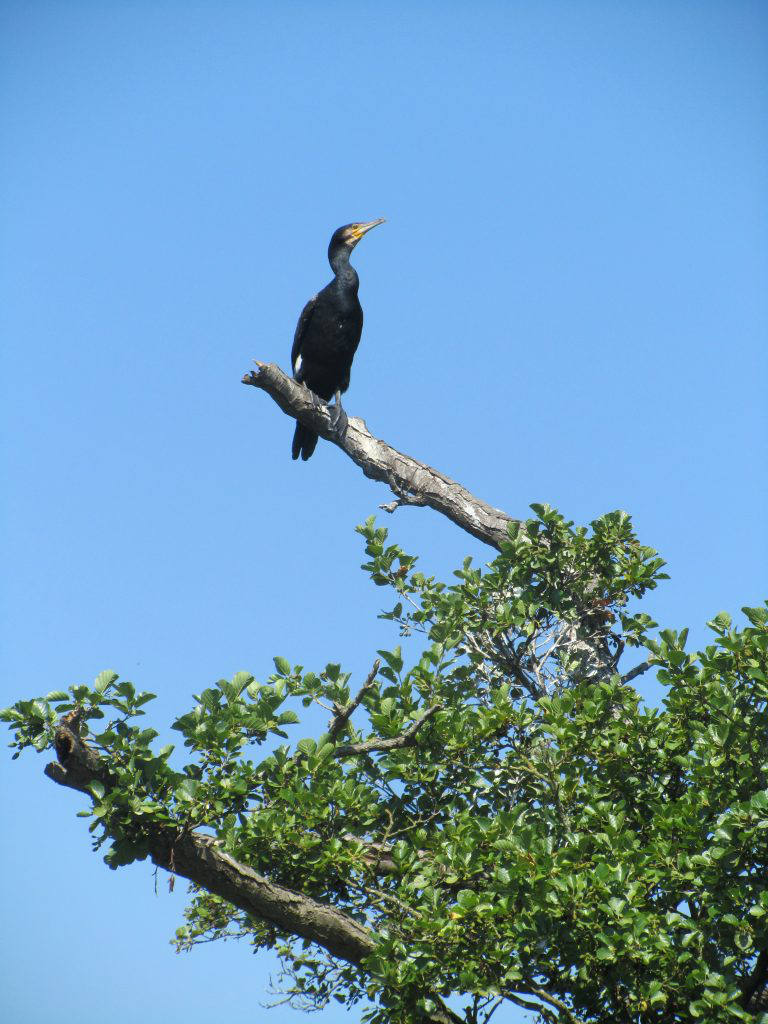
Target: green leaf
{"x":103,"y":680}
{"x":757,"y":616}
{"x":394,"y":659}
{"x":721,"y":622}
{"x":40,"y":709}
{"x":241,"y":681}
{"x":186,"y":790}
{"x":282,"y":665}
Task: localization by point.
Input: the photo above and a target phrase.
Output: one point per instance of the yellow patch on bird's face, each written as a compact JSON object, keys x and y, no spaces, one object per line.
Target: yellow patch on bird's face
{"x":356,"y":231}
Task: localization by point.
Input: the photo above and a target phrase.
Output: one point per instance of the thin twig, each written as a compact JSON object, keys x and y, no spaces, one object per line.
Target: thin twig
{"x":405,"y":495}
{"x":526,"y":1004}
{"x":342,"y":715}
{"x":405,"y":739}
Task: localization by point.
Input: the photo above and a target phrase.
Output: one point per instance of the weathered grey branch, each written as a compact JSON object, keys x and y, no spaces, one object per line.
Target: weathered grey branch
{"x":198,"y":858}
{"x":405,"y":739}
{"x":413,"y":482}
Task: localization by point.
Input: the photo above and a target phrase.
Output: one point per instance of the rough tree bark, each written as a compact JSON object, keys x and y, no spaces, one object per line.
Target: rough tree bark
{"x":413,"y":482}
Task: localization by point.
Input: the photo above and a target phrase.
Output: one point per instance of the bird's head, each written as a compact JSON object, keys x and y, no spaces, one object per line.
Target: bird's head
{"x":347,"y":237}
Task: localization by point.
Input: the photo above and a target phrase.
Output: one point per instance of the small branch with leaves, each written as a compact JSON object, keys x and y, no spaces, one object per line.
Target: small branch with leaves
{"x":200,"y":859}
{"x":405,"y":739}
{"x":341,"y":715}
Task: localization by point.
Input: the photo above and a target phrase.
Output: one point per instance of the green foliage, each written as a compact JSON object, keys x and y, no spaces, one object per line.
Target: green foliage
{"x":545,"y":837}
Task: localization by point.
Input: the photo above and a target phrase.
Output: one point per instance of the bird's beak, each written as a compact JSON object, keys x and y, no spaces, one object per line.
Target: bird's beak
{"x":359,"y":230}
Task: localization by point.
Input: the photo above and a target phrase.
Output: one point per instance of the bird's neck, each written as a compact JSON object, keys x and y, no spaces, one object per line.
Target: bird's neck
{"x":346,"y":275}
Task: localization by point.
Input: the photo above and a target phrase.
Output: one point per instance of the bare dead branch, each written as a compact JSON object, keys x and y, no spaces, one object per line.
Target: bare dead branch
{"x":413,"y":482}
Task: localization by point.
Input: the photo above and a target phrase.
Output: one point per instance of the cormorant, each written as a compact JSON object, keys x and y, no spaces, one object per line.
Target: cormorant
{"x":328,"y":333}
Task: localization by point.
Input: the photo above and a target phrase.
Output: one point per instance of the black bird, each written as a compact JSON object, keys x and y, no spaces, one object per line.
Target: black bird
{"x":328,"y":333}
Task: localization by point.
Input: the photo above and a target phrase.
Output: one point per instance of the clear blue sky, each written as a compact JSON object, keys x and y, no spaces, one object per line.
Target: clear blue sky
{"x":568,"y":304}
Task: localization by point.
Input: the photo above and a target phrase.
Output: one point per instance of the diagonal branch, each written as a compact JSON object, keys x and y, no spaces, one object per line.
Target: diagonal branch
{"x":342,"y":715}
{"x":754,"y":986}
{"x":405,"y":739}
{"x":638,"y":670}
{"x":413,"y":482}
{"x":199,"y":858}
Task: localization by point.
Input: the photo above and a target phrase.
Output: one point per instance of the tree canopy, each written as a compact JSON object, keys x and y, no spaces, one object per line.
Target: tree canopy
{"x":492,"y":815}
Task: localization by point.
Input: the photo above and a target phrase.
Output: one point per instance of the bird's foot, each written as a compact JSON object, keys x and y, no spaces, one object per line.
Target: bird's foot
{"x":316,"y":401}
{"x":339,"y":421}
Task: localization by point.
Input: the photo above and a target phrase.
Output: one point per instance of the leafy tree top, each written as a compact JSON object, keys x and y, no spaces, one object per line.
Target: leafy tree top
{"x":502,"y":818}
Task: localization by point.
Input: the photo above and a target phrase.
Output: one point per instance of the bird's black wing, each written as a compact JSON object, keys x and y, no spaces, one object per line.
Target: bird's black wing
{"x":301,"y":330}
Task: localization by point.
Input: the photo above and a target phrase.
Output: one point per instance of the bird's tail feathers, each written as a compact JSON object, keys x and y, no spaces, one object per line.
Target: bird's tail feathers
{"x":304,"y":442}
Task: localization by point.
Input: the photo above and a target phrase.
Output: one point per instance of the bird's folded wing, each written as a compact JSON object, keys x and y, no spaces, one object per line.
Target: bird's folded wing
{"x":301,"y":328}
